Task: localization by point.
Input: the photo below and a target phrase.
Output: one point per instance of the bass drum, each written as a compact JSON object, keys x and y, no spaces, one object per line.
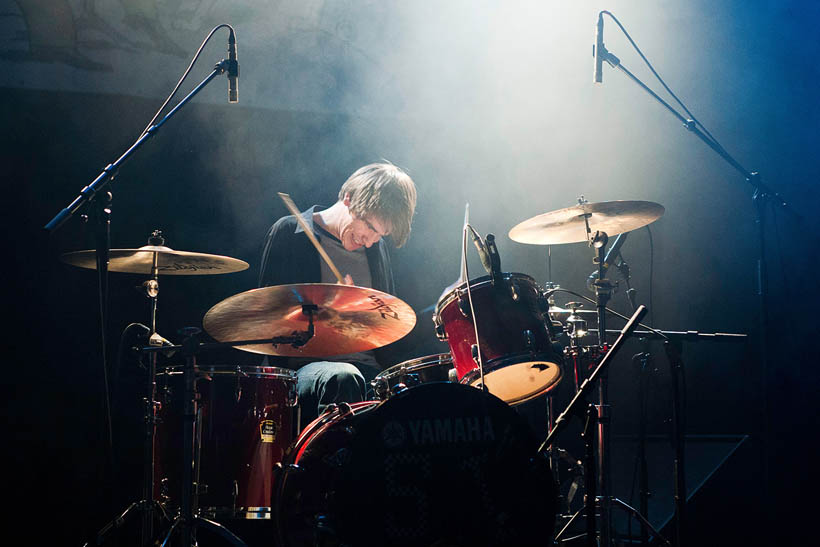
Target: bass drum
{"x":437,"y":464}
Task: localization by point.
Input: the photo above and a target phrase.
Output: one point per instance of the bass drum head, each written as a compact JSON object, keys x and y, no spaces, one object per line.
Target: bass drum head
{"x":437,"y":464}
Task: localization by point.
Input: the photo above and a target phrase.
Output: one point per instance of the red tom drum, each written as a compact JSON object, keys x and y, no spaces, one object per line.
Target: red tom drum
{"x":520,"y":362}
{"x":245,"y":421}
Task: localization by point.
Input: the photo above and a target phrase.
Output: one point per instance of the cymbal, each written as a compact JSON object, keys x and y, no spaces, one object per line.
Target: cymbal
{"x":568,"y":225}
{"x":349,"y":319}
{"x":168,"y":261}
{"x":556,"y":310}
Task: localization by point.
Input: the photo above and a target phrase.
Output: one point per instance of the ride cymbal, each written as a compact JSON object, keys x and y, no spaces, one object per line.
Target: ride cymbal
{"x":570,"y":225}
{"x":347,"y":319}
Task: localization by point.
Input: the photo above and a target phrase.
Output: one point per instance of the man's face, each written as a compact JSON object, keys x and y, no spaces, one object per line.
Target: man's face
{"x":356,"y":232}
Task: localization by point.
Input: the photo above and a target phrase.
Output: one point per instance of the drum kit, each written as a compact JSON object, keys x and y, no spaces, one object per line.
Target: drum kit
{"x":436,"y":456}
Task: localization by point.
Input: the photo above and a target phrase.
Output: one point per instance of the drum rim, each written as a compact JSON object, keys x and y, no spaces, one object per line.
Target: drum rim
{"x":432,"y":359}
{"x":476,"y":283}
{"x":240,"y":370}
{"x":324,"y":421}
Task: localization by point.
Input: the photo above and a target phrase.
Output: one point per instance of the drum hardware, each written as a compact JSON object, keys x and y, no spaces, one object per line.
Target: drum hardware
{"x":188,"y":518}
{"x":593,"y":223}
{"x":592,"y":422}
{"x":581,"y":355}
{"x":153,"y":259}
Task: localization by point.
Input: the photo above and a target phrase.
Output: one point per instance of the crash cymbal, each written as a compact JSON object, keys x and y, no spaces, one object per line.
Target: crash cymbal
{"x":568,"y":225}
{"x":348,"y":319}
{"x":168,"y":261}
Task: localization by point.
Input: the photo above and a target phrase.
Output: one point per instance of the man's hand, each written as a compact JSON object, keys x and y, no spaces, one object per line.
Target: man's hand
{"x":347,"y":280}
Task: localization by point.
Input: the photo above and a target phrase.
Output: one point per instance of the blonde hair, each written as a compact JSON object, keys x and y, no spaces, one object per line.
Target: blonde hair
{"x":386,"y":192}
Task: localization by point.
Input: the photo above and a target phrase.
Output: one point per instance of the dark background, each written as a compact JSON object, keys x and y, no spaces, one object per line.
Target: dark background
{"x":530,"y":136}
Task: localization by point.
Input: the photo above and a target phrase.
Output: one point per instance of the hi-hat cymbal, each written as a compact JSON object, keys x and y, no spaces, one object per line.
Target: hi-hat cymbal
{"x":555,"y":310}
{"x":569,"y":225}
{"x":348,"y":319}
{"x":167,"y":260}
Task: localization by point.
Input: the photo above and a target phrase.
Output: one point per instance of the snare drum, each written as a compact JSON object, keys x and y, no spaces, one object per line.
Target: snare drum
{"x":432,"y":368}
{"x":519,"y":360}
{"x":436,"y":464}
{"x":245,"y":421}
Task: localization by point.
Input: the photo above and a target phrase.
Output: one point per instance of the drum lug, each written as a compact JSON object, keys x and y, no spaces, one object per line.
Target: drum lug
{"x":529,"y":339}
{"x":514,"y":291}
{"x":440,"y":332}
{"x":164,"y":490}
{"x":463,"y":304}
{"x":380,"y":388}
{"x":235,"y":494}
{"x":293,"y":395}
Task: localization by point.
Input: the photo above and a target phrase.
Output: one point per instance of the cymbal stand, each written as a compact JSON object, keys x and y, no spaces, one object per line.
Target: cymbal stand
{"x":151,"y":288}
{"x":146,"y":505}
{"x":188,"y":519}
{"x":591,"y":499}
{"x":603,"y":291}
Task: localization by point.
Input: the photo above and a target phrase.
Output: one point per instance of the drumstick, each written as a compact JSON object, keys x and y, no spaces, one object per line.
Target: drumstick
{"x":295,"y":212}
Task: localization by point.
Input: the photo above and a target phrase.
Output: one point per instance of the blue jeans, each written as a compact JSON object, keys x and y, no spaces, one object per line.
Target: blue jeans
{"x":322,"y":383}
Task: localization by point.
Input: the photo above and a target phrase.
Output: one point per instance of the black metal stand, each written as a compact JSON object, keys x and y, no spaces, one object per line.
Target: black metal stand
{"x":89,"y":195}
{"x":188,"y":519}
{"x":761,"y":196}
{"x":603,"y":290}
{"x":673,"y":353}
{"x":595,"y":498}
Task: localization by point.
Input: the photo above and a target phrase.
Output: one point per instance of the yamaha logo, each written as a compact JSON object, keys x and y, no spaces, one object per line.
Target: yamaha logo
{"x":393,"y":434}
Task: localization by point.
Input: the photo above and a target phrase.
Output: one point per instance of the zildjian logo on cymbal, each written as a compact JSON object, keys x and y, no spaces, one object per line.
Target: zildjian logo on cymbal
{"x":383,"y":309}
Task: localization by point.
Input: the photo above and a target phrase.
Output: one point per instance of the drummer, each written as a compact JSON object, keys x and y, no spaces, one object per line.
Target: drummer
{"x":375,"y":202}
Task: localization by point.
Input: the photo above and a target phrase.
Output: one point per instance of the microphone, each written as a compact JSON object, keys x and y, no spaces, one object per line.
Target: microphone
{"x":233,"y":70}
{"x":482,"y":250}
{"x":495,"y":258}
{"x":598,"y":49}
{"x":611,"y":255}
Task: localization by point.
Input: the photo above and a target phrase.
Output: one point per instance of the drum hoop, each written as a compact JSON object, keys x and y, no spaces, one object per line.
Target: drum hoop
{"x":322,"y":423}
{"x":475,"y":284}
{"x":240,"y":370}
{"x":414,"y":364}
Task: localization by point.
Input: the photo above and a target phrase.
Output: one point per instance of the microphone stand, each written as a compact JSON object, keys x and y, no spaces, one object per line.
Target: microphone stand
{"x":642,"y":360}
{"x":89,"y":195}
{"x":761,"y":195}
